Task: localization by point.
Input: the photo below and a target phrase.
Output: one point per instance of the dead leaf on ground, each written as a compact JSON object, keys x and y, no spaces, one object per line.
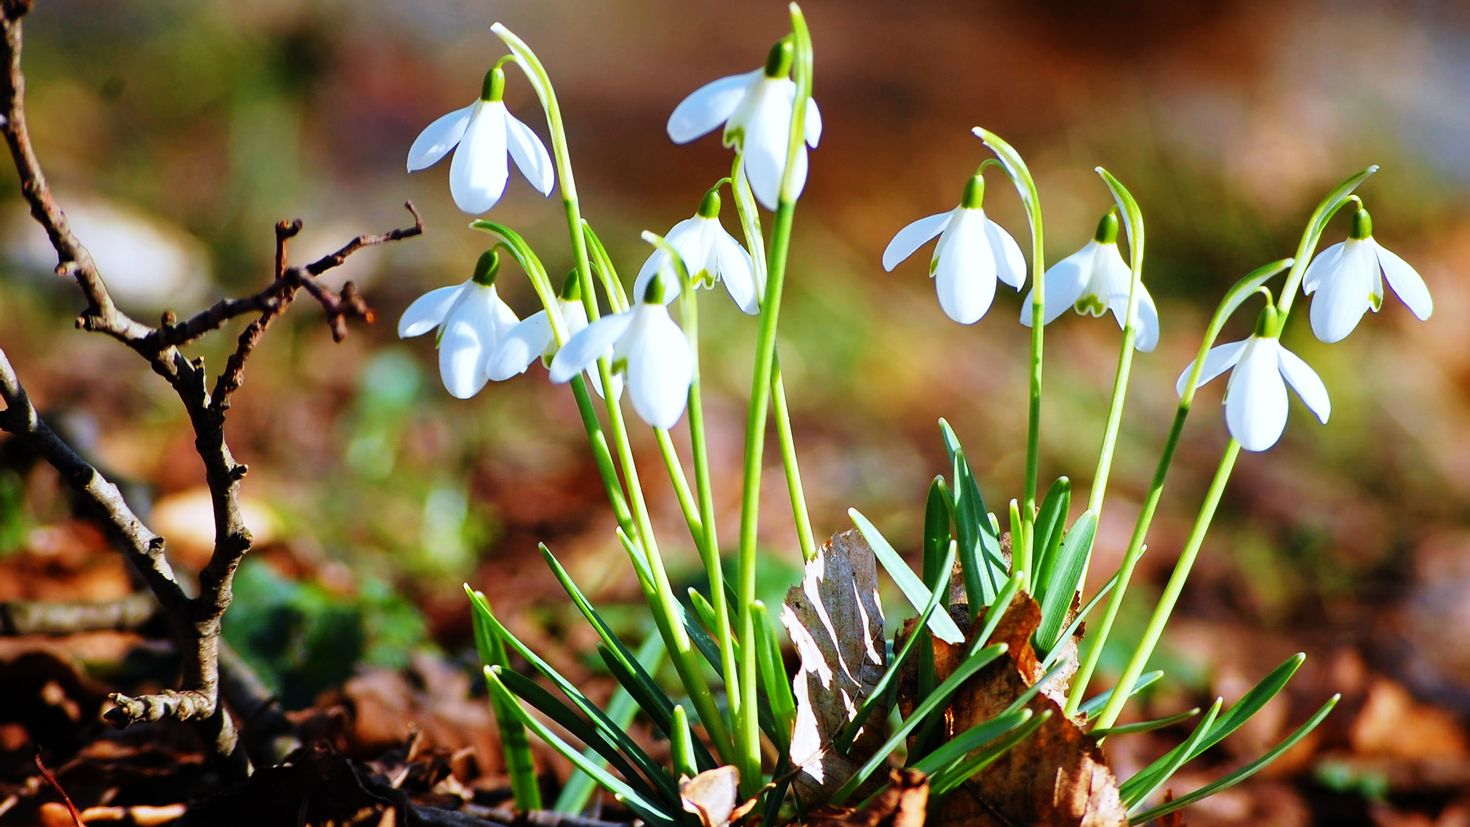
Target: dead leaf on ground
{"x":835,"y":622}
{"x":711,"y":795}
{"x":903,"y":803}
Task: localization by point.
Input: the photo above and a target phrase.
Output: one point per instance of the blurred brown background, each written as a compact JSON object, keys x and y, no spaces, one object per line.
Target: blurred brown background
{"x":177,"y":133}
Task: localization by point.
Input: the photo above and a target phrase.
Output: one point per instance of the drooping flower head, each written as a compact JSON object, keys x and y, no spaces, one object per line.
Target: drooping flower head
{"x":485,"y":132}
{"x":647,"y":347}
{"x":1348,"y":280}
{"x":1255,"y":399}
{"x":710,"y":254}
{"x":1093,"y":281}
{"x":972,"y":253}
{"x":756,"y":109}
{"x":532,"y":337}
{"x":472,"y":321}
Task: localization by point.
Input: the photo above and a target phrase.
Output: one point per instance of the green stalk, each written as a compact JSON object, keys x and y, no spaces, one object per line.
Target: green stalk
{"x":751,"y":226}
{"x":1025,"y":185}
{"x":667,"y":615}
{"x":748,"y":747}
{"x":675,"y":468}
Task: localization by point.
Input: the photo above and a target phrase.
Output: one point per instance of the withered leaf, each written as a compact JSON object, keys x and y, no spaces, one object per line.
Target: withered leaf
{"x":903,"y":803}
{"x":836,"y":625}
{"x":711,"y":795}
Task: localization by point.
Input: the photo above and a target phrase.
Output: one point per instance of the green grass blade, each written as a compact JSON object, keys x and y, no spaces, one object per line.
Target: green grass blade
{"x":964,"y":770}
{"x":979,"y":541}
{"x":576,"y":794}
{"x":1051,"y":521}
{"x":774,"y":680}
{"x":1078,"y":620}
{"x":937,"y":533}
{"x":681,"y":745}
{"x":1146,"y":726}
{"x":974,"y":663}
{"x":1241,"y":774}
{"x":1097,"y":702}
{"x":1201,"y":732}
{"x":520,"y":764}
{"x":971,"y":739}
{"x":918,"y":595}
{"x":1069,"y":563}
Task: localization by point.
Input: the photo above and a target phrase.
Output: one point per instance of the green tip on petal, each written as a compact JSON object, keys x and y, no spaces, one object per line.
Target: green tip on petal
{"x":710,"y":206}
{"x":1362,"y":225}
{"x":493,"y":89}
{"x":571,"y":287}
{"x":654,"y":292}
{"x":974,"y":192}
{"x":1268,"y":323}
{"x":1107,"y":228}
{"x":778,"y":62}
{"x":487,"y":267}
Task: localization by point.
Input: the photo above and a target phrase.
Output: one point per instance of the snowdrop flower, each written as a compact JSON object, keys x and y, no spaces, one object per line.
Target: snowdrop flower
{"x":1094,"y":280}
{"x":972,"y":253}
{"x":532,"y":338}
{"x":484,"y":132}
{"x":647,"y":346}
{"x":709,"y":253}
{"x":1255,"y":398}
{"x":1348,"y":278}
{"x":472,"y":320}
{"x":756,"y":109}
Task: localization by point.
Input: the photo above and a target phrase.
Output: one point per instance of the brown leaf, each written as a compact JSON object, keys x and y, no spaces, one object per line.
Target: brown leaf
{"x":903,"y":803}
{"x":711,"y":795}
{"x":836,"y":625}
{"x":1058,"y":776}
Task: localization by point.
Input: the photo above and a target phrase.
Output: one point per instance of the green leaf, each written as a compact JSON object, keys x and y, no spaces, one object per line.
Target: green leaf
{"x":576,"y":794}
{"x":937,"y":532}
{"x":1093,"y":704}
{"x":1051,"y":519}
{"x":1066,"y":577}
{"x":1201,"y":732}
{"x":918,"y":595}
{"x":1078,"y":620}
{"x":1247,"y":706}
{"x":681,"y":745}
{"x":1241,"y":774}
{"x":971,"y":739}
{"x":1146,"y":726}
{"x":646,"y":808}
{"x":974,"y":663}
{"x":966,"y":769}
{"x":519,"y":762}
{"x":774,"y":680}
{"x":980,"y":556}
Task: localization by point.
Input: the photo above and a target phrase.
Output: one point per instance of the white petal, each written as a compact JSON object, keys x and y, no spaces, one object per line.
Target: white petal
{"x":708,"y":106}
{"x":1010,"y":264}
{"x":1406,"y":283}
{"x":469,"y":334}
{"x":766,"y":136}
{"x":691,"y":239}
{"x":438,"y":138}
{"x":964,"y":270}
{"x":1343,"y":296}
{"x":529,"y":154}
{"x":1062,"y":285}
{"x":505,"y":317}
{"x":912,"y":237}
{"x":582,"y":350}
{"x":1307,"y":384}
{"x":657,"y":264}
{"x":660,"y":368}
{"x":1218,"y":360}
{"x":1255,"y":401}
{"x":428,"y":311}
{"x":813,"y":123}
{"x":479,"y":169}
{"x":518,"y":348}
{"x":1146,"y":337}
{"x":737,"y":271}
{"x":1322,"y":267}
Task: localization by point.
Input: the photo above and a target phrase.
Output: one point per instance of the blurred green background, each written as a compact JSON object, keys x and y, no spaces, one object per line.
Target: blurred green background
{"x":177,"y":133}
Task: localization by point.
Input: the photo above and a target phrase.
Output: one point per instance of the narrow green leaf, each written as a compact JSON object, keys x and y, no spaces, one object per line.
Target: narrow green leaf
{"x":968,"y":768}
{"x":520,"y":764}
{"x":576,"y":794}
{"x":1051,"y":520}
{"x":774,"y":680}
{"x":1201,"y":732}
{"x":1066,"y":577}
{"x":1093,"y":704}
{"x":1241,"y":774}
{"x":918,"y":595}
{"x":979,"y":541}
{"x":646,"y":808}
{"x":1078,"y":620}
{"x":936,"y":528}
{"x":971,"y":739}
{"x":974,"y":663}
{"x":1146,"y":726}
{"x":681,"y":745}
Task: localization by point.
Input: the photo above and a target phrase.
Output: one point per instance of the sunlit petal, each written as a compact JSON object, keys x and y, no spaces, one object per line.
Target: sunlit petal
{"x":1255,"y":401}
{"x":438,"y":138}
{"x":708,"y":107}
{"x":468,"y":335}
{"x":530,"y":154}
{"x":519,"y":347}
{"x":737,"y":271}
{"x":964,"y":270}
{"x":1323,"y":266}
{"x":660,"y":368}
{"x":912,"y":237}
{"x":1010,"y":264}
{"x":1343,"y":296}
{"x":1218,"y":360}
{"x":1061,"y":286}
{"x":427,"y":311}
{"x":1406,"y":282}
{"x":1307,"y":384}
{"x":583,"y":349}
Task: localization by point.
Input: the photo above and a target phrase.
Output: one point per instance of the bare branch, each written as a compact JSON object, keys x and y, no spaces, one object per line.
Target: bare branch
{"x":34,"y":617}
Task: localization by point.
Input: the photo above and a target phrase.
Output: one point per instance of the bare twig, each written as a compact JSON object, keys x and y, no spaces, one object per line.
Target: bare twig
{"x":28,"y":617}
{"x":50,"y":777}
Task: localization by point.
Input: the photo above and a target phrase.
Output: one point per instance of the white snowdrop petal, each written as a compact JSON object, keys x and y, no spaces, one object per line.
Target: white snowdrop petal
{"x":1307,"y":384}
{"x":467,"y":339}
{"x":438,"y":138}
{"x":519,"y":347}
{"x":1218,"y":359}
{"x":737,"y":271}
{"x":1342,"y":297}
{"x":581,"y":351}
{"x":1010,"y":264}
{"x":660,"y":368}
{"x":813,"y":123}
{"x":1062,"y":286}
{"x":1406,"y":282}
{"x":708,"y":107}
{"x":428,"y":311}
{"x":764,"y":145}
{"x":912,"y":237}
{"x":1323,"y":266}
{"x":479,"y":170}
{"x":965,"y":272}
{"x":1255,"y":402}
{"x":1146,"y":337}
{"x":529,"y":154}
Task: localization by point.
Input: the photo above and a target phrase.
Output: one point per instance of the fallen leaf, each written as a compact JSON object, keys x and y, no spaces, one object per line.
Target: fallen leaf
{"x":711,"y":795}
{"x":835,"y":622}
{"x":903,"y":803}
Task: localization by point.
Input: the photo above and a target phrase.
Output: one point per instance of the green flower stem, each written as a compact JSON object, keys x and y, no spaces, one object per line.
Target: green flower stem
{"x":1172,"y":590}
{"x":751,"y":226}
{"x":1133,"y":222}
{"x":675,"y":468}
{"x":1025,"y":186}
{"x":667,"y":614}
{"x":1340,"y":195}
{"x":748,"y":746}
